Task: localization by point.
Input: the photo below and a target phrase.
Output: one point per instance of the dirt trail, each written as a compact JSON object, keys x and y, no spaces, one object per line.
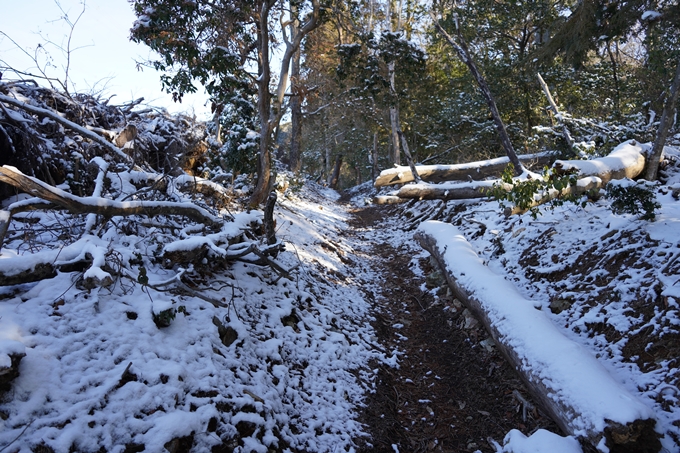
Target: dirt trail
{"x":452,"y":391}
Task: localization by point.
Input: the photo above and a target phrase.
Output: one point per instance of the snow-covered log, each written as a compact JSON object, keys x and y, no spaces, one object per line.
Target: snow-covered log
{"x":460,"y":172}
{"x":573,"y":387}
{"x":388,"y":199}
{"x":447,"y":191}
{"x":585,"y":185}
{"x":626,"y":161}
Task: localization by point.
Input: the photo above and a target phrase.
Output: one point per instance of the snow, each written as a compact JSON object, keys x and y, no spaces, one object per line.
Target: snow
{"x":574,"y":376}
{"x":303,"y":382}
{"x":541,"y":441}
{"x":623,"y":156}
{"x":650,"y":15}
{"x":300,"y":385}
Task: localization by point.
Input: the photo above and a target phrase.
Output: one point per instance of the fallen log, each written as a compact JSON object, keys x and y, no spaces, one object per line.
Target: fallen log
{"x":626,"y":161}
{"x":474,"y":171}
{"x":389,"y":199}
{"x":571,"y":385}
{"x":447,"y":191}
{"x":588,"y":185}
{"x":102,"y":206}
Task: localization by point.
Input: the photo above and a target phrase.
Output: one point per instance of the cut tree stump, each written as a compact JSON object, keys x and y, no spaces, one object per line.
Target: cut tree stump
{"x":571,"y":385}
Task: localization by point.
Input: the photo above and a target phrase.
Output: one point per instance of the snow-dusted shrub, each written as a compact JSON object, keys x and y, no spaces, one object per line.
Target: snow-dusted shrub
{"x":523,"y":193}
{"x":629,"y":197}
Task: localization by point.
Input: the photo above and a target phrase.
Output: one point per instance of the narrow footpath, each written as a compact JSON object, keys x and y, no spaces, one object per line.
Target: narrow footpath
{"x":451,"y":391}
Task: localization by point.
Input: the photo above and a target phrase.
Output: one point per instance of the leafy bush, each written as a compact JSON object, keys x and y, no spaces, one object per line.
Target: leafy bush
{"x":523,"y":193}
{"x":629,"y":197}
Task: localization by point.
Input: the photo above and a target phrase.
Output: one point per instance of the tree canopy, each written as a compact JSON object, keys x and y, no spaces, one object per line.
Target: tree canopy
{"x":357,"y":73}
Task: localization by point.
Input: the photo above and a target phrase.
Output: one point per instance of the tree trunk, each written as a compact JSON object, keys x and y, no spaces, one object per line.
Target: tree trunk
{"x":463,"y":52}
{"x":395,"y":156}
{"x":558,"y":115}
{"x":667,"y":119}
{"x":106,"y":208}
{"x":458,"y":192}
{"x":333,"y":182}
{"x":409,"y":158}
{"x":375,"y":170}
{"x":294,"y":157}
{"x":268,"y":220}
{"x":269,"y":119}
{"x":263,"y":108}
{"x":588,"y":404}
{"x":474,"y":171}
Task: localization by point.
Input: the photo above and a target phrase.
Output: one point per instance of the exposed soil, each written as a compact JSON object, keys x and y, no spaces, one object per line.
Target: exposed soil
{"x":452,"y":391}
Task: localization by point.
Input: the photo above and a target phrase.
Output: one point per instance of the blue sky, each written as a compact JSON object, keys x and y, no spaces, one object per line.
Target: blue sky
{"x":104,"y":57}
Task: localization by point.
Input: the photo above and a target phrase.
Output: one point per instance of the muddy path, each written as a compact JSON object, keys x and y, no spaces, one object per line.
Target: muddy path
{"x":452,"y":391}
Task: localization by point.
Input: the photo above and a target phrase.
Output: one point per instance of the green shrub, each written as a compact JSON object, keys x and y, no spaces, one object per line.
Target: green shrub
{"x":628,"y":197}
{"x":522,"y":193}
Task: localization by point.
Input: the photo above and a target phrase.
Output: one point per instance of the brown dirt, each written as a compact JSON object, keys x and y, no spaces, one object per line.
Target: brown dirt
{"x":449,"y":394}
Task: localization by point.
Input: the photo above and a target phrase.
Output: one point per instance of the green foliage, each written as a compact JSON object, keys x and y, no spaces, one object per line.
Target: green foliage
{"x":522,"y":194}
{"x":628,"y":197}
{"x":142,"y":278}
{"x":196,"y":40}
{"x":164,"y":318}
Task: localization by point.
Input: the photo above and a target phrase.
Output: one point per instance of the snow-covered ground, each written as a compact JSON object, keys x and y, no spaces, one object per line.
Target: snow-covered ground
{"x":99,"y":372}
{"x":287,"y":364}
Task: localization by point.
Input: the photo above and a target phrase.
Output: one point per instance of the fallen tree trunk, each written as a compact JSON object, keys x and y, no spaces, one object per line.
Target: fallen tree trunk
{"x":452,"y":191}
{"x":102,"y":206}
{"x":474,"y":171}
{"x":572,"y":386}
{"x":626,"y":161}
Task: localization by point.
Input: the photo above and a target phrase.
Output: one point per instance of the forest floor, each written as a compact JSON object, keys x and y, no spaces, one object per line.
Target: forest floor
{"x":606,"y":280}
{"x":452,"y":392}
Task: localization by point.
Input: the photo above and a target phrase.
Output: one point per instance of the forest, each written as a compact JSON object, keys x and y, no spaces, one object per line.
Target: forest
{"x":405,"y":226}
{"x":356,"y":76}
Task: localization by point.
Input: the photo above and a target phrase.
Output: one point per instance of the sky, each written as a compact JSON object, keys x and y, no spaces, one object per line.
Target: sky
{"x":104,"y":56}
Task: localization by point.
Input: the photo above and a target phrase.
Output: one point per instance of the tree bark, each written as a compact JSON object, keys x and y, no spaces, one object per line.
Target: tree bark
{"x":333,"y":182}
{"x":665,"y":124}
{"x":111,"y":208}
{"x":294,"y":157}
{"x":263,"y":106}
{"x":628,"y":429}
{"x":409,"y":158}
{"x":460,"y":172}
{"x":430,"y":192}
{"x":375,"y":170}
{"x":565,"y":131}
{"x":463,"y":52}
{"x":269,"y":222}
